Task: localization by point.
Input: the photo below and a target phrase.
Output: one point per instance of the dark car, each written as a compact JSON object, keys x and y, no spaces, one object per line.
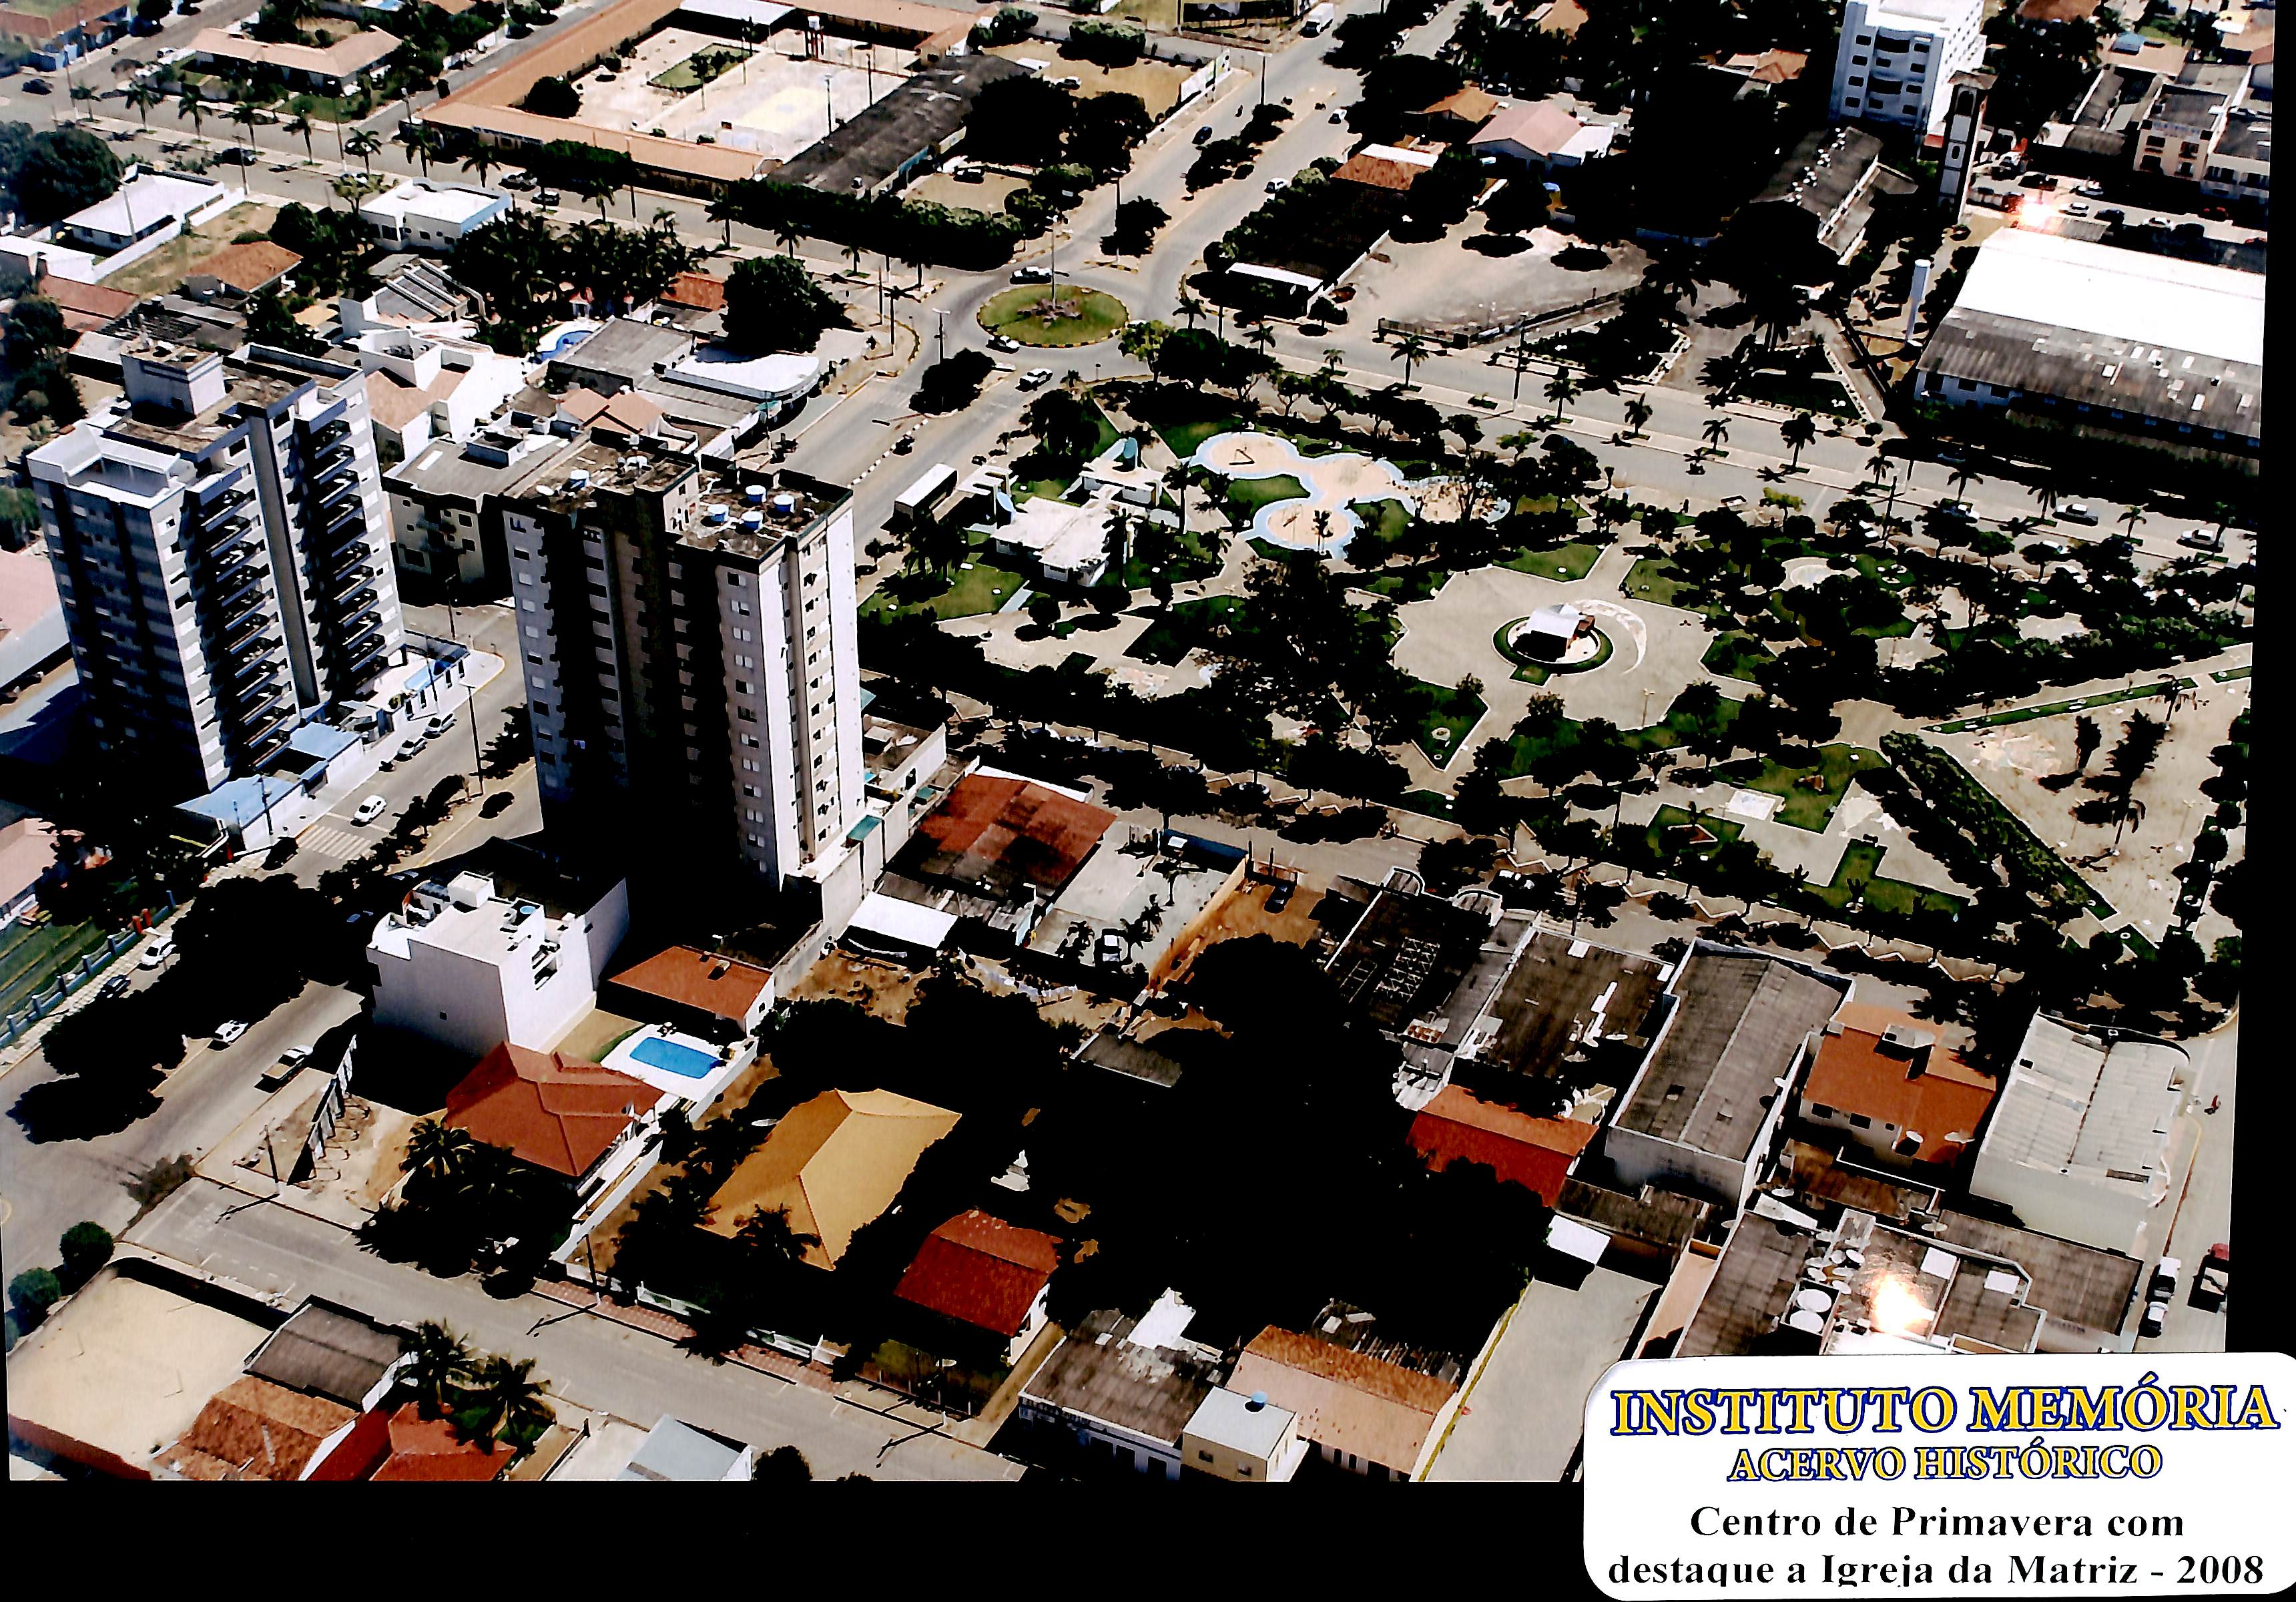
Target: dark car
{"x":39,"y":85}
{"x":2112,"y":214}
{"x":117,"y":985}
{"x":1204,"y":134}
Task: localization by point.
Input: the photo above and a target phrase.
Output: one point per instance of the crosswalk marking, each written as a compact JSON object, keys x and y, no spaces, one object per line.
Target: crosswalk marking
{"x":328,"y":841}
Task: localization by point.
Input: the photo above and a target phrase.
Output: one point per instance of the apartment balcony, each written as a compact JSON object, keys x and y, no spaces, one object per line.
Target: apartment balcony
{"x":330,"y":454}
{"x":241,"y":671}
{"x":351,"y":644}
{"x":366,"y":659}
{"x":328,"y":433}
{"x":265,"y":729}
{"x":240,"y":585}
{"x":251,"y":701}
{"x":226,"y":565}
{"x":350,"y":554}
{"x":338,"y":585}
{"x":223,"y":528}
{"x":362,"y":610}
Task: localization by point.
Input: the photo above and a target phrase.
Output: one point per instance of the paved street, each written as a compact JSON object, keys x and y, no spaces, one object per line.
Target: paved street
{"x":601,"y":1364}
{"x":2204,"y":1203}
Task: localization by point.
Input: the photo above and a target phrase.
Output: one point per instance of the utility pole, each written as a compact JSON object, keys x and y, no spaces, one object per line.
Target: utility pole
{"x":478,"y":755}
{"x":942,"y":314}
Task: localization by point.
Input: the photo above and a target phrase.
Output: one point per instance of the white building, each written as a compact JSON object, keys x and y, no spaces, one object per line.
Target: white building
{"x":221,"y":542}
{"x":423,"y":388}
{"x":1897,"y":59}
{"x":148,"y":204}
{"x":419,"y":215}
{"x":2079,"y":1144}
{"x":1069,"y":544}
{"x":691,"y":670}
{"x":468,"y":966}
{"x":420,"y":297}
{"x":447,"y":499}
{"x":1237,"y":1437}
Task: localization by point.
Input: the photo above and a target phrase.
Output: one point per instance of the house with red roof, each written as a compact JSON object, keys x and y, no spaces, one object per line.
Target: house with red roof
{"x":1886,"y":1082}
{"x":1534,"y":1153}
{"x":986,"y":1276}
{"x":559,"y":1113}
{"x":433,"y":1450}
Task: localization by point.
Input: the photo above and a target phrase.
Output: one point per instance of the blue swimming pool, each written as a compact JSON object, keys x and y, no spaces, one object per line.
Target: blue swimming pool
{"x":671,"y":1057}
{"x":566,"y":342}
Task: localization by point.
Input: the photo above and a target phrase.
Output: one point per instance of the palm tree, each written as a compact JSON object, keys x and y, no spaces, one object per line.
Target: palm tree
{"x":1881,"y":468}
{"x":597,"y":186}
{"x":506,"y":1401}
{"x":437,"y":1149}
{"x":82,"y":93}
{"x":1717,"y":431}
{"x":1963,"y":476}
{"x":143,"y":96}
{"x":2131,"y":518}
{"x":1410,"y":351}
{"x":243,"y":107}
{"x":725,"y":210}
{"x":1797,"y":430}
{"x":436,"y":1367}
{"x":420,"y":142}
{"x":363,"y":145}
{"x":788,"y":235}
{"x":480,"y":159}
{"x":298,"y":126}
{"x":1561,"y":389}
{"x":1187,"y":306}
{"x":1638,"y":413}
{"x":190,"y":105}
{"x":2045,"y":496}
{"x":665,"y":220}
{"x":1262,"y":335}
{"x":768,"y":1237}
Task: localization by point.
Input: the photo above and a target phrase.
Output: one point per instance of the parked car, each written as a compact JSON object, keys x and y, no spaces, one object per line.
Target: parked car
{"x":2156,"y":221}
{"x":414,"y":742}
{"x":1003,"y":342}
{"x":2076,"y":511}
{"x":2077,"y":209}
{"x":117,"y":985}
{"x":545,"y":198}
{"x":369,"y":809}
{"x":1204,"y":136}
{"x":2213,"y":1279}
{"x":2154,"y":1321}
{"x":2112,"y":214}
{"x":2092,"y":191}
{"x":1275,"y":185}
{"x":519,"y":180}
{"x":1112,"y":949}
{"x":1032,"y":275}
{"x":38,"y":86}
{"x":158,"y":952}
{"x":2166,"y":1273}
{"x":227,"y":1032}
{"x":2202,"y":540}
{"x":440,"y":724}
{"x":1035,"y":378}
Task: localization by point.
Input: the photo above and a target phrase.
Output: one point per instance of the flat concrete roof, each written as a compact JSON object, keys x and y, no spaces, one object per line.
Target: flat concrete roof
{"x":2154,"y":300}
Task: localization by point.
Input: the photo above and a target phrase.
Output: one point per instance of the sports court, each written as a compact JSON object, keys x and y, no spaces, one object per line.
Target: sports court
{"x":687,"y":85}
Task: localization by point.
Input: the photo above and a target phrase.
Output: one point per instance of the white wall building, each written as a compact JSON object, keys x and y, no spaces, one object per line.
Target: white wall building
{"x":2078,"y":1143}
{"x":469,"y":967}
{"x":148,"y":204}
{"x":426,"y":388}
{"x":691,"y":669}
{"x":1897,"y":59}
{"x":419,"y":215}
{"x":221,"y":542}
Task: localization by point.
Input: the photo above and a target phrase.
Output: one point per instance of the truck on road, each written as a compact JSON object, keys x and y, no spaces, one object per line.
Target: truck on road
{"x":1316,"y":20}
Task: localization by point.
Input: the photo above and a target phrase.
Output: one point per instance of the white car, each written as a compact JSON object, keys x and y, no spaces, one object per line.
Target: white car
{"x":2076,"y":511}
{"x":2154,"y":1321}
{"x":158,"y":952}
{"x":1035,"y":378}
{"x":439,"y":726}
{"x":225,"y":1033}
{"x":369,"y":809}
{"x":1003,"y":342}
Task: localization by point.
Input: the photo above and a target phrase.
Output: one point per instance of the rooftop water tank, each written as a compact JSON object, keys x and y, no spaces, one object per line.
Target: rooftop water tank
{"x":753,"y":520}
{"x":785,"y":505}
{"x":755,"y":494}
{"x":579,"y":479}
{"x":713,"y":514}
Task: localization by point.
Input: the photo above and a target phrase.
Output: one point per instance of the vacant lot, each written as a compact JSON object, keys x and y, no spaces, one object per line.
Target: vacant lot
{"x":168,"y":266}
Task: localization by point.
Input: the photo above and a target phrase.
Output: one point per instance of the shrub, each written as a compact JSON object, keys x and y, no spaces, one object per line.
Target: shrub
{"x":551,"y":97}
{"x":32,"y":1292}
{"x":86,"y":1247}
{"x":1105,"y":44}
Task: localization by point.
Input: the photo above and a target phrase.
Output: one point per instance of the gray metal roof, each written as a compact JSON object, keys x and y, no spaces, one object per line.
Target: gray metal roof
{"x":1751,"y":1284}
{"x":330,"y":1351}
{"x":675,"y":1450}
{"x":870,"y":148}
{"x":1561,"y":991}
{"x":449,"y":469}
{"x":1663,"y":1218}
{"x":624,"y":349}
{"x":1406,"y":955}
{"x":1151,"y":1390}
{"x":2073,"y":1284}
{"x":1740,"y":1023}
{"x":2088,"y":1104}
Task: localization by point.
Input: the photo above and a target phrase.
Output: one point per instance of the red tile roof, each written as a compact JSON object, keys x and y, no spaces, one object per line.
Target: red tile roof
{"x":429,"y":1449}
{"x":722,"y":986}
{"x":1010,"y":833}
{"x":555,"y":1111}
{"x":86,"y":307}
{"x":1379,"y":172}
{"x":249,"y":266}
{"x":982,"y":1271}
{"x":1855,"y":1072}
{"x":1535,"y":1152}
{"x":697,"y":290}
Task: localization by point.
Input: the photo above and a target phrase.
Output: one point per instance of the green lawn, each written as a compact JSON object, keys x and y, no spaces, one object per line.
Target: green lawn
{"x":1429,"y":803}
{"x":1414,"y":584}
{"x":978,"y":586}
{"x":31,"y":955}
{"x":1857,"y":872}
{"x":2024,"y":714}
{"x":1198,"y":559}
{"x":1183,"y":629}
{"x":1252,"y":493}
{"x":1185,"y":437}
{"x":1733,"y":654}
{"x":1565,"y":563}
{"x":701,"y":67}
{"x":1086,"y":316}
{"x":1655,"y":579}
{"x":1443,"y":707}
{"x":1804,"y":807}
{"x":1672,"y":730}
{"x":1674,"y":818}
{"x":1379,"y":525}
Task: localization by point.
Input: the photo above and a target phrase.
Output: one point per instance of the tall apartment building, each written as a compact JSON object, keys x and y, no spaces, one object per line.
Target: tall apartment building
{"x":221,"y":541}
{"x":691,"y":670}
{"x":1897,"y":59}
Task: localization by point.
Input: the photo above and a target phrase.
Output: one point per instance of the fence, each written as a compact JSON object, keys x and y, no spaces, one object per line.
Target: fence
{"x":46,"y":1001}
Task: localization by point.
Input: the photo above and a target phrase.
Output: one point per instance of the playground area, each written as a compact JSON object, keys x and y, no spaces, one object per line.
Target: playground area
{"x":1320,"y":519}
{"x":693,"y":85}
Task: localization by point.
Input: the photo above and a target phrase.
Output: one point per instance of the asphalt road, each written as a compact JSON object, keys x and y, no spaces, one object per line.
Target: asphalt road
{"x":2204,"y":1206}
{"x":599,"y":1364}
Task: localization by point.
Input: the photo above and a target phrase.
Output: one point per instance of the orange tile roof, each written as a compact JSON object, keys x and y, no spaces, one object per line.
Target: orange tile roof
{"x":1535,"y":1152}
{"x":555,"y":1111}
{"x":981,"y":1270}
{"x":1380,"y":172}
{"x":1345,"y":1401}
{"x":835,"y":1163}
{"x":249,"y":266}
{"x":255,"y":1430}
{"x":1541,"y":127}
{"x":722,"y":986}
{"x":697,"y":290}
{"x":1009,"y":831}
{"x":431,"y":1449}
{"x":1467,"y":105}
{"x":86,"y":307}
{"x":1855,"y":1072}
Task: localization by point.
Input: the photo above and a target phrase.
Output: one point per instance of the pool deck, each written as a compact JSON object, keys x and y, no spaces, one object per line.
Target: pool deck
{"x":697,"y":1092}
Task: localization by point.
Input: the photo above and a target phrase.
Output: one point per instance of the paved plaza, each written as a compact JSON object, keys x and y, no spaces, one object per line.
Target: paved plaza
{"x":773,"y":104}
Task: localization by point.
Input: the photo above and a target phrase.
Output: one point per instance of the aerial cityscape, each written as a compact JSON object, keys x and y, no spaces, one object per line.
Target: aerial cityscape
{"x":1189,"y":739}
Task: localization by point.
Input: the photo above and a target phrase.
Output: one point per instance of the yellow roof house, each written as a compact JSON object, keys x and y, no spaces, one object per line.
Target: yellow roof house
{"x":836,"y":1162}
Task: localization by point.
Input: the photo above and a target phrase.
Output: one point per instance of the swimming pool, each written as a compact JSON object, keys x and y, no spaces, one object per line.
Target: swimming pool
{"x":671,"y":1057}
{"x":568,"y":337}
